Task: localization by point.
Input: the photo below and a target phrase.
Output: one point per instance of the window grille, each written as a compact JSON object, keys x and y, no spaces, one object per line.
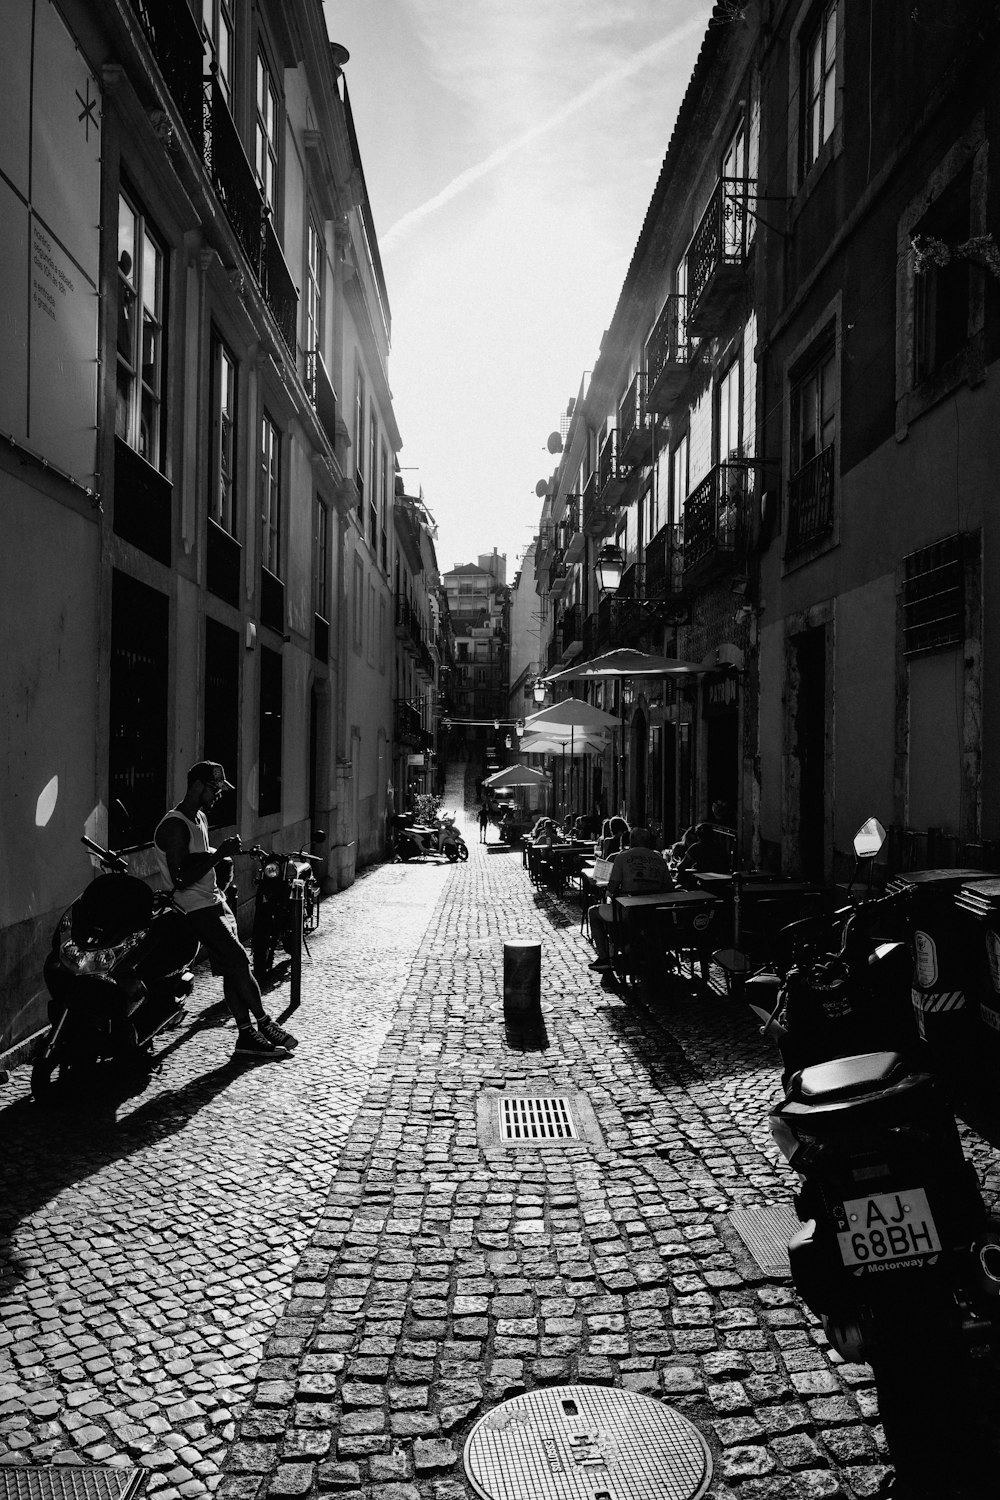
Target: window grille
{"x":934,"y":597}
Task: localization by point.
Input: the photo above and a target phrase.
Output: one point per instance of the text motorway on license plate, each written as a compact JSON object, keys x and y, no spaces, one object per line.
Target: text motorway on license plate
{"x":886,"y":1227}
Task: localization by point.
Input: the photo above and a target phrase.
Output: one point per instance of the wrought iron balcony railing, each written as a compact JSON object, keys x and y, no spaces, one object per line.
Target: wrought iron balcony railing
{"x":610,"y":468}
{"x":633,"y":425}
{"x":668,"y":355}
{"x":810,"y":502}
{"x":571,"y":626}
{"x":665,"y":564}
{"x":408,"y":725}
{"x":718,"y":255}
{"x":236,"y":188}
{"x":715,"y":518}
{"x":175,"y":41}
{"x":591,"y":511}
{"x":319,"y":388}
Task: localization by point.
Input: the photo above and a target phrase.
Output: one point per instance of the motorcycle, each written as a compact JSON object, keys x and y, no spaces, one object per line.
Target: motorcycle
{"x":118,"y":968}
{"x":413,"y":840}
{"x":286,"y":910}
{"x":897,"y":1255}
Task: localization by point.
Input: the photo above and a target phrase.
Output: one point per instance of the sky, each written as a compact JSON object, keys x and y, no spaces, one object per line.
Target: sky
{"x":510,"y":149}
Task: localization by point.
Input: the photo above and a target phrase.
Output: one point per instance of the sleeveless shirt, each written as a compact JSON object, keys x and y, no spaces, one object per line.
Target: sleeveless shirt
{"x":201,"y":893}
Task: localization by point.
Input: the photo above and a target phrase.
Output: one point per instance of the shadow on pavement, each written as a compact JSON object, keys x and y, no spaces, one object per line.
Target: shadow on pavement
{"x":49,"y":1150}
{"x":526,"y":1036}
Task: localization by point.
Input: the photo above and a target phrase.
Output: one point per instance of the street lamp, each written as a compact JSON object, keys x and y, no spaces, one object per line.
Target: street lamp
{"x":538,"y":691}
{"x":610,"y":566}
{"x":507,"y":741}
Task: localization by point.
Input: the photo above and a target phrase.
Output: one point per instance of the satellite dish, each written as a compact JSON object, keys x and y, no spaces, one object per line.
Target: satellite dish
{"x":554,"y":443}
{"x":541,"y":488}
{"x":340,"y":54}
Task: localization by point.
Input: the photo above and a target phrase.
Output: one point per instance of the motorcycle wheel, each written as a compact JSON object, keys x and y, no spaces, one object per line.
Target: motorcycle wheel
{"x":44,"y":1067}
{"x":463,"y":852}
{"x":451,"y":852}
{"x":926,"y":1397}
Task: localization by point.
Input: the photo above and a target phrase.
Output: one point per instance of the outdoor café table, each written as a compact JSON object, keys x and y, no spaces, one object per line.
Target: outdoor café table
{"x":592,"y":891}
{"x":658,"y":921}
{"x":565,"y":861}
{"x":767,"y":904}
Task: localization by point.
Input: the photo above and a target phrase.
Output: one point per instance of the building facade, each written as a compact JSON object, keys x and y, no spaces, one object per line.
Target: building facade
{"x":786,"y":441}
{"x":479,"y":609}
{"x":201,"y":447}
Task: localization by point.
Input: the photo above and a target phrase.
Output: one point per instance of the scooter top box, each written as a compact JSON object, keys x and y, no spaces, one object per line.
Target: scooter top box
{"x":981,"y":897}
{"x":941,"y":880}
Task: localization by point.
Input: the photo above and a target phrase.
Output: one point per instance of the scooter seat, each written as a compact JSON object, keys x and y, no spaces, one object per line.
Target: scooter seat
{"x":847,"y":1077}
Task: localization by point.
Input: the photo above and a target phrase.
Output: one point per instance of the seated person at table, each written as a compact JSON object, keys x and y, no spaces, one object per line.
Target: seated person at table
{"x":614,"y":837}
{"x":710,"y":851}
{"x":543,"y":832}
{"x":635,"y":870}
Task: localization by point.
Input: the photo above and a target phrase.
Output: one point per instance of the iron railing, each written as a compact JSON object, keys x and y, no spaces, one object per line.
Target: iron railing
{"x":810,"y":502}
{"x":235,"y":186}
{"x":571,"y":625}
{"x":408,"y":727}
{"x":590,"y":501}
{"x":715,"y":516}
{"x":667,"y":348}
{"x":720,"y":243}
{"x":609,"y":468}
{"x":633,"y":426}
{"x":322,"y":394}
{"x":665,"y":563}
{"x":175,"y":41}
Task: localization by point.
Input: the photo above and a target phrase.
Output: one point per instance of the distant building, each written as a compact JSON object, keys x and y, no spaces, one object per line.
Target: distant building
{"x":479,"y":607}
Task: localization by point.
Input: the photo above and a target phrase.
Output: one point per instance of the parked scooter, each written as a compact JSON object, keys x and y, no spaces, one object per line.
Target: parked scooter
{"x":287,"y":908}
{"x":116,"y":974}
{"x":897,"y":1255}
{"x":416,"y":840}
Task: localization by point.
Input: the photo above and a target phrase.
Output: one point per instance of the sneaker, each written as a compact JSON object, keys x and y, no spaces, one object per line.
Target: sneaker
{"x":276,"y":1034}
{"x":600,"y":966}
{"x":252,"y":1045}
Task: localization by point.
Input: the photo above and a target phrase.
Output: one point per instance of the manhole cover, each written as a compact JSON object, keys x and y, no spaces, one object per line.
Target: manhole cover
{"x":586,"y":1442}
{"x":70,"y":1482}
{"x":535,"y":1119}
{"x":766,"y":1232}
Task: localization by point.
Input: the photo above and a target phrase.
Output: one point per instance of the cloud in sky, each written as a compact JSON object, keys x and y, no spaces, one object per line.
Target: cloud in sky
{"x":602,"y":84}
{"x":513,"y":146}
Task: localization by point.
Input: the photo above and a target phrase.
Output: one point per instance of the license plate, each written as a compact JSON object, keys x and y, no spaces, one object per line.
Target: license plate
{"x":886,"y":1227}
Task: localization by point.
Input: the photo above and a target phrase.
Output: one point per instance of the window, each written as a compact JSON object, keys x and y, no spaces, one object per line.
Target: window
{"x":678,"y":479}
{"x":812,"y":422}
{"x":818,"y":53}
{"x":138,"y":409}
{"x":221,"y":716}
{"x":383,"y":516}
{"x":729,"y":425}
{"x":314,"y":289}
{"x":321,"y":559}
{"x":266,"y":135}
{"x":222,"y":475}
{"x":219,"y":27}
{"x":270,"y":495}
{"x":139,"y":723}
{"x":359,"y":436}
{"x":358,"y":605}
{"x":942,"y":278}
{"x":373,"y":481}
{"x":269,"y":733}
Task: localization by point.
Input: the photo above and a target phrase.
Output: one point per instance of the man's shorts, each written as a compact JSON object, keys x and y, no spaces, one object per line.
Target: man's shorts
{"x":215,"y":928}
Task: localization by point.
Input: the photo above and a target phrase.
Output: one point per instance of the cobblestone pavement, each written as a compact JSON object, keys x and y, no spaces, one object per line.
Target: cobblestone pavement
{"x":314,"y":1276}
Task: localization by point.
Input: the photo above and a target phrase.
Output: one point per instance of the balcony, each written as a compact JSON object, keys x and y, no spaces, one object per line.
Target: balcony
{"x":590,"y":636}
{"x":236,"y":188}
{"x":810,"y":503}
{"x":143,"y":513}
{"x":593,"y":515}
{"x":557,"y":574}
{"x":408,"y":627}
{"x":715,"y":518}
{"x":717,"y":257}
{"x":319,"y":388}
{"x":668,"y":355}
{"x":572,"y":631}
{"x":175,"y":41}
{"x":634,"y":436}
{"x":408,"y":722}
{"x":612,"y":471}
{"x":665,"y":565}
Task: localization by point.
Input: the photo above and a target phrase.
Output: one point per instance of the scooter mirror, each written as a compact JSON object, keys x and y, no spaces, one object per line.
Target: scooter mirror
{"x":319,"y":837}
{"x":869,"y":839}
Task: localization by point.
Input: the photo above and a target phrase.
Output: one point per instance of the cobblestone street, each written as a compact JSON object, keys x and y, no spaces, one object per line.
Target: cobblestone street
{"x":312,"y":1276}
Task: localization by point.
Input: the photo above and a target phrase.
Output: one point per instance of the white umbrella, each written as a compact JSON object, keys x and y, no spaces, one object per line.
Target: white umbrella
{"x":627,"y":662}
{"x":570,"y":713}
{"x":517,"y":776}
{"x":552,"y":742}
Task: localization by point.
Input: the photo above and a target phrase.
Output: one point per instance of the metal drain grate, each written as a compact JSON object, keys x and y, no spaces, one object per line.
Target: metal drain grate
{"x":70,"y":1482}
{"x":523,"y":1118}
{"x":766,"y":1232}
{"x":586,"y":1442}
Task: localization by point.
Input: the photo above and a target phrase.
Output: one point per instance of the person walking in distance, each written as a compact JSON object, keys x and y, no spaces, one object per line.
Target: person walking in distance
{"x":188,"y":862}
{"x":484,"y":822}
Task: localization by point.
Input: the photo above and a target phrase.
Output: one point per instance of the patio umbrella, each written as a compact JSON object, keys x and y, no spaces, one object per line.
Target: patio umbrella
{"x":570,"y":714}
{"x":552,"y":743}
{"x":517,"y":776}
{"x":627,"y":662}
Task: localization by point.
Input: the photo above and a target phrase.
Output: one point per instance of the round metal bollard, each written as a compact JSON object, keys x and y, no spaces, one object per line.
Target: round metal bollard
{"x":522,"y":979}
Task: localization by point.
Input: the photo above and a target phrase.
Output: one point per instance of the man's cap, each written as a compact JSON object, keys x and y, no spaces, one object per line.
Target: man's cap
{"x":211,"y":773}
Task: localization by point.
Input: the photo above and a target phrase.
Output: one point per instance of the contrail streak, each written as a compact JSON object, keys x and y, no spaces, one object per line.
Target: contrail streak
{"x":471,"y":175}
